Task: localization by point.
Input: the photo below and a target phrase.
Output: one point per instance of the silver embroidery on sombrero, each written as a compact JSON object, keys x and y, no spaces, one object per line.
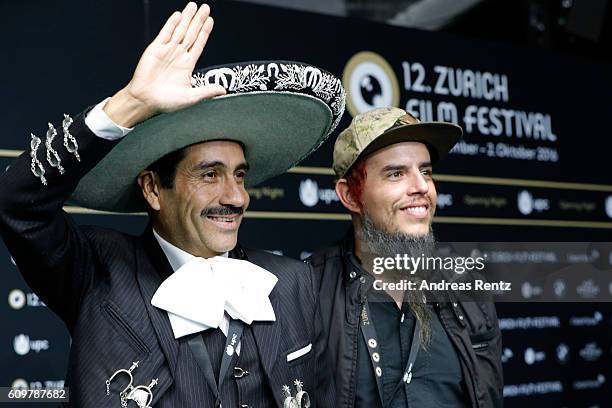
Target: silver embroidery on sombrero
{"x":52,"y":157}
{"x":279,"y":77}
{"x":36,"y":166}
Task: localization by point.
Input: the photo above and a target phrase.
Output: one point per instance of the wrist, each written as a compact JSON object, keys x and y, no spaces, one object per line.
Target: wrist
{"x":126,"y":110}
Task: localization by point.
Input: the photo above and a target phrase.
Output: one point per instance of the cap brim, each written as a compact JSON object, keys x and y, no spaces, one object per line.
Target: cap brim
{"x":277,"y":129}
{"x":439,"y":136}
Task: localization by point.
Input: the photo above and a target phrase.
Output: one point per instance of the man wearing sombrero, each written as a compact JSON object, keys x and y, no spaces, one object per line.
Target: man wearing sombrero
{"x":389,"y":345}
{"x":181,"y":316}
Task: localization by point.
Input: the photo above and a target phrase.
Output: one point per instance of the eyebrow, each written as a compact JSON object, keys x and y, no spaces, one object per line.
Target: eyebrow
{"x":207,"y":165}
{"x":401,"y":167}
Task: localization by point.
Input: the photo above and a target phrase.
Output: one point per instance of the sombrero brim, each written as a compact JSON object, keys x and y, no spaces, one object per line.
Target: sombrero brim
{"x":277,"y":130}
{"x":440,"y":137}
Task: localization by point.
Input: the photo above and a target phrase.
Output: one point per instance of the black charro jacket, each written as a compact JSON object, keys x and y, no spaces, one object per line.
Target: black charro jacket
{"x":472,"y":328}
{"x":100,"y":283}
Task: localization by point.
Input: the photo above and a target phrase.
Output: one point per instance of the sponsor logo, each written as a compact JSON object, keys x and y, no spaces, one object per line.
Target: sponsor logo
{"x":581,"y":206}
{"x":588,"y":289}
{"x":519,"y":390}
{"x":540,"y":322}
{"x":530,"y":291}
{"x":16,"y":299}
{"x":579,"y":321}
{"x":591,"y":352}
{"x":472,"y":201}
{"x":22,"y":344}
{"x":559,"y":288}
{"x":22,"y":384}
{"x":311,"y":194}
{"x":532,"y":356}
{"x":583,"y":257}
{"x":507,"y":354}
{"x":563,"y":353}
{"x":444,"y":200}
{"x":590,"y":384}
{"x":271,"y":193}
{"x":370,"y":83}
{"x":608,"y":206}
{"x":527,"y":203}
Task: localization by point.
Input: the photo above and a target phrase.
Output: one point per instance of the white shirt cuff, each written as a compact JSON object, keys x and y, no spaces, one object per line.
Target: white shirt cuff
{"x":102,"y":126}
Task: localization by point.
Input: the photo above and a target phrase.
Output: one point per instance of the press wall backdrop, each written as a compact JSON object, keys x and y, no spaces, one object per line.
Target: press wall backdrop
{"x":533,"y":165}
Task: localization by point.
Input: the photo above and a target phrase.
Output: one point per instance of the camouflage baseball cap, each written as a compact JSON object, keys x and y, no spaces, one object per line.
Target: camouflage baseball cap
{"x":381,"y":127}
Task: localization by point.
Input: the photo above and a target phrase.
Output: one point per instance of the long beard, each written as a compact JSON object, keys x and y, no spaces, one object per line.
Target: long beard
{"x":381,"y":243}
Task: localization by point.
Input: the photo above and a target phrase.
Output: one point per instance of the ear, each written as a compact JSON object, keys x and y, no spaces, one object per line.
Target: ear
{"x":347,"y":200}
{"x":147,"y":180}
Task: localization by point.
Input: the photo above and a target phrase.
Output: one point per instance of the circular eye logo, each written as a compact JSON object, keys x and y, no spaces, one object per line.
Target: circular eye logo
{"x":19,"y":383}
{"x":16,"y":299}
{"x":370,"y":83}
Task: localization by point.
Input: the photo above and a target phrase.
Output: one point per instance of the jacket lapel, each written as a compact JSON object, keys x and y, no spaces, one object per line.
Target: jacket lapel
{"x":153,"y":268}
{"x":268,"y":338}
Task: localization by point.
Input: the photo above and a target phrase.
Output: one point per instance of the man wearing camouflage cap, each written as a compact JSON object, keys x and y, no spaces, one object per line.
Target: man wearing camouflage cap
{"x":391,"y":347}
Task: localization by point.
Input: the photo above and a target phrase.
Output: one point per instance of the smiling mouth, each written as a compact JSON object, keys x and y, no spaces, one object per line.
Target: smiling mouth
{"x":416,"y":211}
{"x":221,"y":219}
{"x":228,"y":222}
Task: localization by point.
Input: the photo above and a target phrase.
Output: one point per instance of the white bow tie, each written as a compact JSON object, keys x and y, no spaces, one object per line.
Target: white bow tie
{"x":198,"y":294}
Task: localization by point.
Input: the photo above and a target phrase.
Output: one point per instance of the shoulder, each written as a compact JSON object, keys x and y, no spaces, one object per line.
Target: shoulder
{"x":107,"y":241}
{"x":326,"y":257}
{"x":277,"y":264}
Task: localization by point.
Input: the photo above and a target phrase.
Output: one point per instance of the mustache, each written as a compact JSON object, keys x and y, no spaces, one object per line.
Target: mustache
{"x":222,"y":210}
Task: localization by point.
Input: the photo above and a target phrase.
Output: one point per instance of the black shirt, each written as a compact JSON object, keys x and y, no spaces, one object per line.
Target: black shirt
{"x":437,"y":379}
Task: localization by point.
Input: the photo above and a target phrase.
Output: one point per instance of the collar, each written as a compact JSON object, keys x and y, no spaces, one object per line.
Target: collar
{"x":176,"y":256}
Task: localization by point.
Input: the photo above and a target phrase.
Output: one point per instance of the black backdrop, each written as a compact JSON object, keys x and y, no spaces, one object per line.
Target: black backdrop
{"x":63,"y":56}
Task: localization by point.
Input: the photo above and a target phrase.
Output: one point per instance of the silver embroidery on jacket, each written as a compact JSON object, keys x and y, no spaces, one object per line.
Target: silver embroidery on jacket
{"x":36,"y":166}
{"x":52,"y":157}
{"x":70,"y":142}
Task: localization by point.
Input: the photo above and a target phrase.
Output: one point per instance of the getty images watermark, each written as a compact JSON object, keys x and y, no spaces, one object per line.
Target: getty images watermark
{"x":435,"y":267}
{"x":499,"y":271}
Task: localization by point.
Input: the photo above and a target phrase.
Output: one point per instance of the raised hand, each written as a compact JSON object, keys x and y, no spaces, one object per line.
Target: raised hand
{"x":162,"y":79}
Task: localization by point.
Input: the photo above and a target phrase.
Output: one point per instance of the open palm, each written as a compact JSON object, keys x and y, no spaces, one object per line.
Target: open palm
{"x":162,"y":79}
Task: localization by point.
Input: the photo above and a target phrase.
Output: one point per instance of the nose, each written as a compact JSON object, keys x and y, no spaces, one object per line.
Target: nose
{"x":234,"y":193}
{"x":418,"y":183}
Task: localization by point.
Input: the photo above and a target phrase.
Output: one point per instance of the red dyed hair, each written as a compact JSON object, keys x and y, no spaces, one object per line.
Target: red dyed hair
{"x":355,"y":179}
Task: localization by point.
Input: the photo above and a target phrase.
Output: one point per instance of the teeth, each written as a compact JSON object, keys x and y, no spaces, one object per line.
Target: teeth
{"x":416,"y":210}
{"x":222,"y":219}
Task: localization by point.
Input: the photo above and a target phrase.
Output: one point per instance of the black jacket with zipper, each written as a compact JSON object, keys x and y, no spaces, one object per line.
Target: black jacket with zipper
{"x":472,"y":328}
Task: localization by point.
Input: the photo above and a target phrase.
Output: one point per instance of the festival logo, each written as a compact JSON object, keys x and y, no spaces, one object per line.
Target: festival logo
{"x":16,"y":299}
{"x":370,"y":83}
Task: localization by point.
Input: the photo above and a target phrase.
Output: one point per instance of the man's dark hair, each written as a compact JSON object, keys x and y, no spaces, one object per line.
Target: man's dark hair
{"x":165,"y":167}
